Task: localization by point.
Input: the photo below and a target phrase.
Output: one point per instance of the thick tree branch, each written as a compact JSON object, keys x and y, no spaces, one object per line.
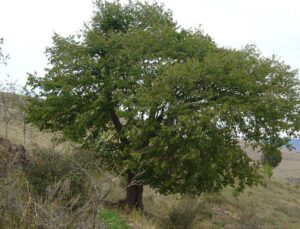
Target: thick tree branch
{"x":118,"y":126}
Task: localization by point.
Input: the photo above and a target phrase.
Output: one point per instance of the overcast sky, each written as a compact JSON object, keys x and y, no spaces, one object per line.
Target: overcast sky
{"x":27,"y":27}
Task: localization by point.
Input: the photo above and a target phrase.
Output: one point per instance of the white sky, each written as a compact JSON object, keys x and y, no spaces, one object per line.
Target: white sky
{"x":28,"y":25}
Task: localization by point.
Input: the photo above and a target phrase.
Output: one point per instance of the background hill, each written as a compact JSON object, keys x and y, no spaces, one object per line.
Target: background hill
{"x":288,"y":169}
{"x":296,"y":144}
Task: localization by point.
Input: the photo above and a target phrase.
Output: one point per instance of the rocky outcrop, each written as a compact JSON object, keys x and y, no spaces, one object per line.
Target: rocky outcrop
{"x":11,"y":156}
{"x":295,"y":180}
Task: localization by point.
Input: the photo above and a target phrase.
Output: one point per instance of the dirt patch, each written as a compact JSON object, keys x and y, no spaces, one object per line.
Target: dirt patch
{"x":11,"y":156}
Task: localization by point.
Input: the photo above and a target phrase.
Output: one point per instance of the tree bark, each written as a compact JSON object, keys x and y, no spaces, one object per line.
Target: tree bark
{"x":134,"y":192}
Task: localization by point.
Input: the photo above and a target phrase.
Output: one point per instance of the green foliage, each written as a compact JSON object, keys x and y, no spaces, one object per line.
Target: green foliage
{"x":112,"y":220}
{"x":271,"y":155}
{"x":268,"y":170}
{"x":162,"y":101}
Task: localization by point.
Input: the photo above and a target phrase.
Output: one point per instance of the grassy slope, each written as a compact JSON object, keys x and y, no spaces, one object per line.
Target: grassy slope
{"x":15,"y":130}
{"x":278,"y":204}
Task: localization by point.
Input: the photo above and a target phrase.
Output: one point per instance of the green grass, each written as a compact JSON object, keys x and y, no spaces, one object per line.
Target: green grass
{"x":112,"y":220}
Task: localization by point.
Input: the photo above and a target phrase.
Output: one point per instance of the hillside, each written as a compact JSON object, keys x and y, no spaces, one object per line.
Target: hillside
{"x":296,"y":144}
{"x":15,"y":128}
{"x":288,"y":169}
{"x":274,"y":204}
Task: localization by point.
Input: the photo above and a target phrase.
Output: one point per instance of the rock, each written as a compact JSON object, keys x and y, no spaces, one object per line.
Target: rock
{"x":11,"y":156}
{"x":295,"y":180}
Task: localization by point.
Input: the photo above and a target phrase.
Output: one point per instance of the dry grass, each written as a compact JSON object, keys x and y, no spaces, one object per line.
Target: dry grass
{"x":33,"y":136}
{"x":276,"y":205}
{"x":15,"y":128}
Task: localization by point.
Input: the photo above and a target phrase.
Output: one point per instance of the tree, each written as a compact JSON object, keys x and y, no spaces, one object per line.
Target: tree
{"x":163,"y":103}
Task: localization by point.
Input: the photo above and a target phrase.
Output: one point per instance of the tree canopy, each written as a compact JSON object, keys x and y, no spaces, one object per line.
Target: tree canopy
{"x":164,"y":102}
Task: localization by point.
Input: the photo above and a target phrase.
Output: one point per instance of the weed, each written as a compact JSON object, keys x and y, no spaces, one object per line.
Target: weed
{"x":112,"y":220}
{"x":268,"y":170}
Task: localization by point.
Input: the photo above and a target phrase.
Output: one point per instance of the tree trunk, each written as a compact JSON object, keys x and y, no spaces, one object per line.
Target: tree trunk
{"x":134,"y":189}
{"x":134,"y":192}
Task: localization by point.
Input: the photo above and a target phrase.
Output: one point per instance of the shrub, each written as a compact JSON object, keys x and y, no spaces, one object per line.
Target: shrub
{"x":182,"y":216}
{"x":55,"y":174}
{"x":71,"y":195}
{"x":22,"y":209}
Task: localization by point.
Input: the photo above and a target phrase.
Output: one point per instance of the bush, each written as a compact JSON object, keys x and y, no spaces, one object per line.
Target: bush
{"x":55,"y":174}
{"x":71,"y":195}
{"x":20,"y":208}
{"x":182,"y":216}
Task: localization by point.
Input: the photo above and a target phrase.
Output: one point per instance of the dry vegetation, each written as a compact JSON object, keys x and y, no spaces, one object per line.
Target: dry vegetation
{"x":15,"y":130}
{"x":66,"y":202}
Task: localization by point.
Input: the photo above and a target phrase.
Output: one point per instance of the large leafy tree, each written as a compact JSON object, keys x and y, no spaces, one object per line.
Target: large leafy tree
{"x":164,"y":104}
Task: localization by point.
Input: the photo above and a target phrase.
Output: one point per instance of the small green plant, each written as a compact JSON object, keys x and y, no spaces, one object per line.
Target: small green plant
{"x":112,"y":220}
{"x":268,"y":170}
{"x":219,"y":224}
